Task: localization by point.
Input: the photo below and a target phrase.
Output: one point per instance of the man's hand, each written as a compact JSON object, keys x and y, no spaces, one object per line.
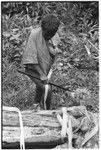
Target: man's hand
{"x":47,"y":78}
{"x":58,"y":50}
{"x":44,"y":79}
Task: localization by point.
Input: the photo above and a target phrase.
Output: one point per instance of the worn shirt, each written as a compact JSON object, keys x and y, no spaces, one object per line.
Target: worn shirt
{"x":37,"y":51}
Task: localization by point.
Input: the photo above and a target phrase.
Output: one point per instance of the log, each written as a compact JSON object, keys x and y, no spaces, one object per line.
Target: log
{"x":41,"y":129}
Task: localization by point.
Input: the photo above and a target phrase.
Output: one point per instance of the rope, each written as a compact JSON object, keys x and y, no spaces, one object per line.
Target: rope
{"x":66,"y":125}
{"x":22,"y":143}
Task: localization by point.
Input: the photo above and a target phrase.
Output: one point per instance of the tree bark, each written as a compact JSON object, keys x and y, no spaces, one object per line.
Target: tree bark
{"x":41,"y":129}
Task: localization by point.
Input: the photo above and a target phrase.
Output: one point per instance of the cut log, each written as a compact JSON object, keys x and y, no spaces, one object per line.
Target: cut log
{"x":41,"y":129}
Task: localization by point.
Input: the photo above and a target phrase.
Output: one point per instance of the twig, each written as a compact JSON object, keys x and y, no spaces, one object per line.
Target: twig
{"x":92,"y":44}
{"x":88,"y":51}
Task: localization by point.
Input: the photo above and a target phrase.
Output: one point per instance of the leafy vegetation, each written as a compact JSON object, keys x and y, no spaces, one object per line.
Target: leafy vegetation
{"x":77,"y":67}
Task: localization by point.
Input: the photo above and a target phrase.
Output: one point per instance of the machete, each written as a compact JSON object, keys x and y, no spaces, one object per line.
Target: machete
{"x":25,"y":73}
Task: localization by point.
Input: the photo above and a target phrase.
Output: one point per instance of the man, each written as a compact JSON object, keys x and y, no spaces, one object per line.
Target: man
{"x":39,"y":56}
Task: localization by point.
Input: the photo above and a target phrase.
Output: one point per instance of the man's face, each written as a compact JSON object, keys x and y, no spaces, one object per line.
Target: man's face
{"x":48,"y":35}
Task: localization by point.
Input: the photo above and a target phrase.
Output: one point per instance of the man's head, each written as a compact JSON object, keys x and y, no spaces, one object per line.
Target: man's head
{"x":49,"y":24}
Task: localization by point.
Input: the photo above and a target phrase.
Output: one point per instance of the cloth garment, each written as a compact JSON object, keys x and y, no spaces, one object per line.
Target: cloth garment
{"x":37,"y":51}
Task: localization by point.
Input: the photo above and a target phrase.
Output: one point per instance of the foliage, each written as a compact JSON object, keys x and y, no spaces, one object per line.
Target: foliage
{"x":80,"y":25}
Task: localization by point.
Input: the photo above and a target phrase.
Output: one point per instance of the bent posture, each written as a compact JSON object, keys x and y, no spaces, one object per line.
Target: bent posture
{"x":39,"y":56}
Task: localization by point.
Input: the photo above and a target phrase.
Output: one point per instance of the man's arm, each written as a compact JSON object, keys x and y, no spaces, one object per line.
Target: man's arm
{"x":53,"y":45}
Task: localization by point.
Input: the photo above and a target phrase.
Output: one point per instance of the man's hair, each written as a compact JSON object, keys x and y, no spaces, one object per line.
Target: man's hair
{"x":50,"y":24}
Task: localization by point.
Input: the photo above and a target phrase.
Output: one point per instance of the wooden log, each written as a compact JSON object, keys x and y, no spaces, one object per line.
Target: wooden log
{"x":41,"y":129}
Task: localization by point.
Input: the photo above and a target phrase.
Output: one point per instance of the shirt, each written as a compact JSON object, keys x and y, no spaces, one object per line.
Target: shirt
{"x":37,"y":51}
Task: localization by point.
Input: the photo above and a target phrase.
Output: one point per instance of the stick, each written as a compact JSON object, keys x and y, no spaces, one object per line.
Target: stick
{"x":92,"y":44}
{"x":88,"y":51}
{"x":25,"y":73}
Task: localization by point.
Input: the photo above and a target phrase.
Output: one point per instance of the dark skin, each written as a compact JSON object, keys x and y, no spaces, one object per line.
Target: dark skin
{"x":47,"y":36}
